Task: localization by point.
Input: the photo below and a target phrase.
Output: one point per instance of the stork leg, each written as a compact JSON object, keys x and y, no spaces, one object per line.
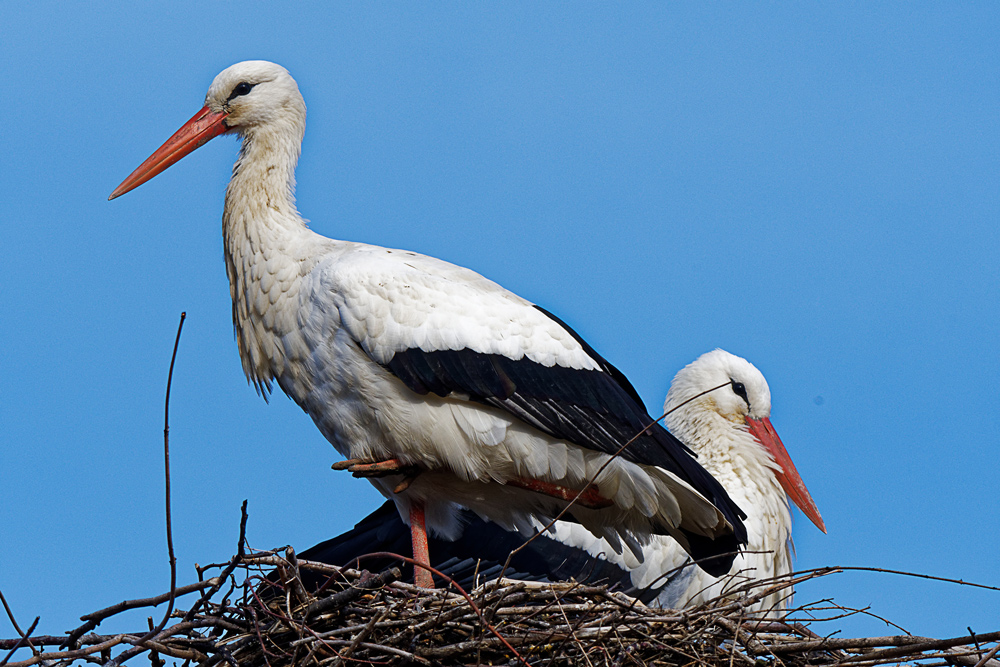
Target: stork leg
{"x":418,"y":533}
{"x":418,"y":528}
{"x":591,"y":497}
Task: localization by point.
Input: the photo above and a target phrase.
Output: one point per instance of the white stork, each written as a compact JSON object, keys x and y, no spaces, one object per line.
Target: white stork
{"x":720,"y":406}
{"x":408,"y":364}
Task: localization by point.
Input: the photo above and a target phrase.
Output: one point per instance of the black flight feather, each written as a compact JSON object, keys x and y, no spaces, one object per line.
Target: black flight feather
{"x":598,"y":410}
{"x":477,"y":556}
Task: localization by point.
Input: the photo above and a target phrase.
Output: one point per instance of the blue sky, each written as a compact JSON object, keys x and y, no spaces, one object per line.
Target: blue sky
{"x":813,"y":187}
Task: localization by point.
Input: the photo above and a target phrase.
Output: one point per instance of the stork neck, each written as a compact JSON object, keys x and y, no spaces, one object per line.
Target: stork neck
{"x":260,"y":199}
{"x":725,"y":449}
{"x":265,"y":244}
{"x":264,"y":174}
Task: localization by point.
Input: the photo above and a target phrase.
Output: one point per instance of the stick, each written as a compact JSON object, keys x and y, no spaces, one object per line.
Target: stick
{"x":114,"y":662}
{"x":24,"y":635}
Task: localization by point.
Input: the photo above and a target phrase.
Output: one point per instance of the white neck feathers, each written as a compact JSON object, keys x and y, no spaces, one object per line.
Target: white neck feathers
{"x":262,"y":241}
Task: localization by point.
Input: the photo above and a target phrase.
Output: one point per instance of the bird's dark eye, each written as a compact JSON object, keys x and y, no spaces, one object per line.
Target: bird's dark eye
{"x":241,"y":88}
{"x":740,"y":390}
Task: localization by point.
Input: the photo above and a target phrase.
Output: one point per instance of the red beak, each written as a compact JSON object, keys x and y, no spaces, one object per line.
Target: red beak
{"x":788,"y":476}
{"x":205,"y":125}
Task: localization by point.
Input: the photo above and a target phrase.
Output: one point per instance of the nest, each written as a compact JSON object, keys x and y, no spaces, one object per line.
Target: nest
{"x":270,"y":609}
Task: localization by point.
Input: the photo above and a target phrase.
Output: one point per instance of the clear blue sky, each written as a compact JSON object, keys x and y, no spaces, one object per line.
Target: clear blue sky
{"x":813,"y":187}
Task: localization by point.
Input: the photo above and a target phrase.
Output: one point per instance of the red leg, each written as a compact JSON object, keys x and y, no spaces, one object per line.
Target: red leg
{"x":421,"y":554}
{"x":590,"y":498}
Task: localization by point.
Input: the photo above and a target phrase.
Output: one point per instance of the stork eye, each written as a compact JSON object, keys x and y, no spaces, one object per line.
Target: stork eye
{"x":241,"y":88}
{"x":740,"y":390}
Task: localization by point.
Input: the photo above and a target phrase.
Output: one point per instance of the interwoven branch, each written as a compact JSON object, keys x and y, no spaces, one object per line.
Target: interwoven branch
{"x":280,"y":617}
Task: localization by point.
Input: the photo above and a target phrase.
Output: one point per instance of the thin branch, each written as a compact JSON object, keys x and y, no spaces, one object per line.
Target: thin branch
{"x":236,"y":560}
{"x":986,"y":658}
{"x":17,"y":628}
{"x":166,"y":473}
{"x":909,"y":642}
{"x":94,"y":618}
{"x":21,"y":642}
{"x":850,"y":568}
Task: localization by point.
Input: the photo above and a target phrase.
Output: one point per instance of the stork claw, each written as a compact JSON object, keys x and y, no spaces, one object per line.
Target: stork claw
{"x":345,"y":465}
{"x":405,"y":484}
{"x":364,"y":468}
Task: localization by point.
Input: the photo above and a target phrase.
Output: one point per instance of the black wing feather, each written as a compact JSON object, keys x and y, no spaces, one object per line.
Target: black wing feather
{"x":479,"y":553}
{"x":599,"y":410}
{"x":618,"y":376}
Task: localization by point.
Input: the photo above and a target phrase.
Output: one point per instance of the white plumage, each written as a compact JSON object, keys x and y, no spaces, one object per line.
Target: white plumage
{"x":400,"y":356}
{"x":720,"y":426}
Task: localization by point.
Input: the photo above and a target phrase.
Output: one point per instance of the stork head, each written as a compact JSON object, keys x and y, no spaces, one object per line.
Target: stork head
{"x":721,"y":397}
{"x":252,"y":98}
{"x":255,"y":93}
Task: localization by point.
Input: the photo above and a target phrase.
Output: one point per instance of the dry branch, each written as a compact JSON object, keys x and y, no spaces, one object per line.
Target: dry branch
{"x":269,"y":618}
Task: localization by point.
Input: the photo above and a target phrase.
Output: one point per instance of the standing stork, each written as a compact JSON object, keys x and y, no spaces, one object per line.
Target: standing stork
{"x":456,"y":390}
{"x":720,"y":405}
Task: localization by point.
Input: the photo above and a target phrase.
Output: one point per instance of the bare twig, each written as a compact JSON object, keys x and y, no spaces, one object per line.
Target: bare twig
{"x":166,"y":473}
{"x":93,"y":619}
{"x":881,"y":570}
{"x":229,"y":569}
{"x":17,"y":628}
{"x":22,"y":642}
{"x":989,"y":656}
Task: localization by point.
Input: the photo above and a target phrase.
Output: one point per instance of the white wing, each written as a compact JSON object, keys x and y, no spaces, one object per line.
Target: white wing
{"x":393,"y":300}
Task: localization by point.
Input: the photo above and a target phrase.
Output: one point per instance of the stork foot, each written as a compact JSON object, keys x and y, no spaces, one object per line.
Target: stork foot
{"x":591,"y":497}
{"x":405,"y":484}
{"x":365,"y":468}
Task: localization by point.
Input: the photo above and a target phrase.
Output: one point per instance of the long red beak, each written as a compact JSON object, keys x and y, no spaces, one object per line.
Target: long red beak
{"x":788,"y":476}
{"x":205,"y":125}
